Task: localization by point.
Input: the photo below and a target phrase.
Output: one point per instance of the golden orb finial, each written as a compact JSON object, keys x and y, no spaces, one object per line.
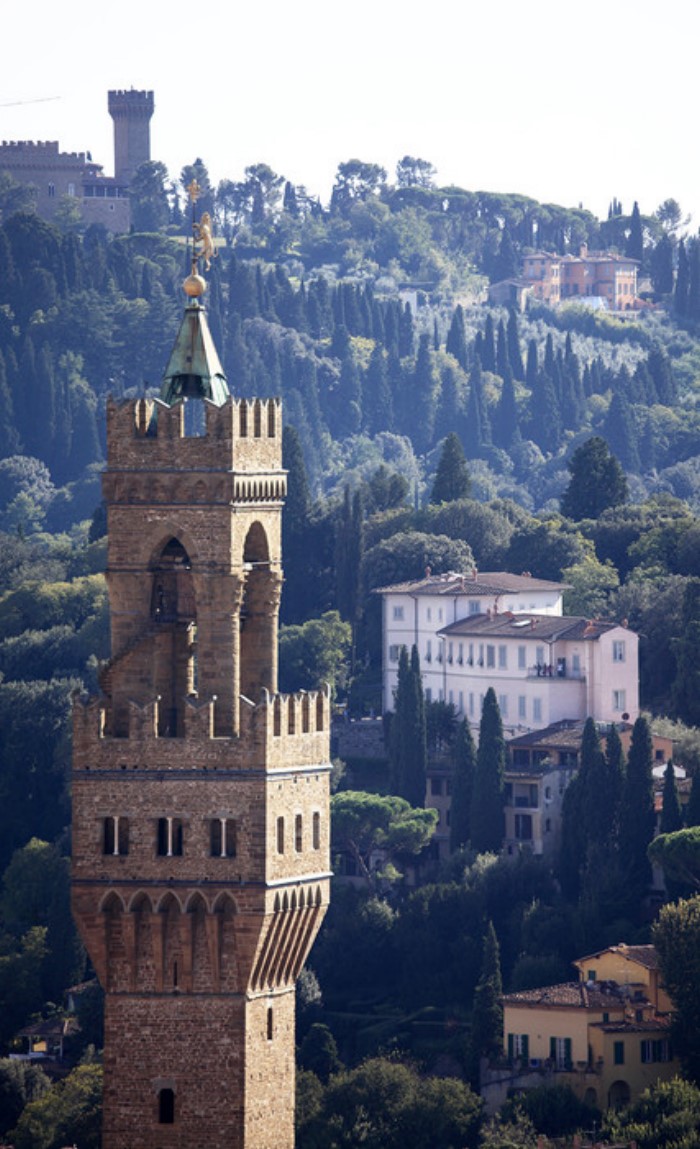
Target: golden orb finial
{"x":194,"y":286}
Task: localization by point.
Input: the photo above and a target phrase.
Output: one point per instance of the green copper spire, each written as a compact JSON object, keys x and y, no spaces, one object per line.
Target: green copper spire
{"x":194,"y":370}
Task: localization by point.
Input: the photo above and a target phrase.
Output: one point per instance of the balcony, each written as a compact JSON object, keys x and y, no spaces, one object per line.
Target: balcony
{"x":555,"y":672}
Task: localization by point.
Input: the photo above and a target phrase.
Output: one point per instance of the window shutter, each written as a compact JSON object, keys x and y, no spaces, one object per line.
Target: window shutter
{"x":567,"y":1051}
{"x":510,"y":1046}
{"x":525,"y":1043}
{"x":553,"y":1048}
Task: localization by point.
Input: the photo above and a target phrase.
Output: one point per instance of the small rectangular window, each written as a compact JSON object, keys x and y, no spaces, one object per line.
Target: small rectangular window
{"x":474,"y":606}
{"x":522,"y":658}
{"x":619,"y":1052}
{"x":316,"y":831}
{"x":619,"y":700}
{"x":503,"y":657}
{"x":115,"y":835}
{"x":398,"y":614}
{"x":298,"y":834}
{"x":280,"y":835}
{"x":537,"y":710}
{"x":522,"y":706}
{"x":503,"y":705}
{"x":394,"y":653}
{"x":490,"y":655}
{"x":618,"y":648}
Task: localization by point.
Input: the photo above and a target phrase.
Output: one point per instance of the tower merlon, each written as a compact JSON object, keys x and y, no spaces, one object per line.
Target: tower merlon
{"x":244,"y":434}
{"x":280,"y":732}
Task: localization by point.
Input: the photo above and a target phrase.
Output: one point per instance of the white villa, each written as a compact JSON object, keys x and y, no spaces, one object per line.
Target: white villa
{"x":507,"y":631}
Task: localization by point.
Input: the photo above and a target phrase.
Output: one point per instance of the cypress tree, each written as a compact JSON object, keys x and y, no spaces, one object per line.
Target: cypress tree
{"x":478,"y":428}
{"x":662,"y":266}
{"x":450,"y":413}
{"x":532,"y":371}
{"x":671,"y":817}
{"x":462,"y":786}
{"x":545,"y":416}
{"x":487,"y":1012}
{"x":661,"y":372}
{"x":377,"y":406}
{"x":487,"y":822}
{"x":406,"y":336}
{"x":680,"y":295}
{"x":9,"y":439}
{"x":452,"y":477}
{"x":637,"y":813}
{"x":685,"y":690}
{"x":408,"y":751}
{"x":514,"y":352}
{"x":348,"y":555}
{"x":345,"y":415}
{"x":456,"y":343}
{"x":503,"y":367}
{"x":692,"y":810}
{"x":634,"y":246}
{"x":423,"y":398}
{"x":693,"y":310}
{"x":488,"y":348}
{"x":620,"y":433}
{"x":506,"y":429}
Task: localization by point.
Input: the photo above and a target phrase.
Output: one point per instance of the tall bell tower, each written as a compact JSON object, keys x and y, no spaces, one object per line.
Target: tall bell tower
{"x":200,"y":795}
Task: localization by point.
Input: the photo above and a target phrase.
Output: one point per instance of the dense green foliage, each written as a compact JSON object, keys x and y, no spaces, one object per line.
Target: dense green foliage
{"x":422,"y":429}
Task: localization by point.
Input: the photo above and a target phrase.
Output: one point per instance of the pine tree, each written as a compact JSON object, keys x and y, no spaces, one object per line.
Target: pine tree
{"x":487,"y":1012}
{"x":487,"y":822}
{"x":462,"y":786}
{"x":597,"y":481}
{"x":505,"y":263}
{"x":671,"y":817}
{"x":452,"y":477}
{"x":637,"y":814}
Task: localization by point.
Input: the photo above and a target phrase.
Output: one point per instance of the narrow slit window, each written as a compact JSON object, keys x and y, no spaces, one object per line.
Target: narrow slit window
{"x":316,"y":831}
{"x":166,"y":1107}
{"x":280,"y":835}
{"x":298,"y":834}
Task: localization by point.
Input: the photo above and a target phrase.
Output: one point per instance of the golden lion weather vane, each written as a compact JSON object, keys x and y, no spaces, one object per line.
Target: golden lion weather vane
{"x":202,"y":231}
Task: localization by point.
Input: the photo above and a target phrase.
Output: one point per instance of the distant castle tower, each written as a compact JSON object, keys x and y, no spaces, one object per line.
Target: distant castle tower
{"x":131,"y":111}
{"x":200,"y":795}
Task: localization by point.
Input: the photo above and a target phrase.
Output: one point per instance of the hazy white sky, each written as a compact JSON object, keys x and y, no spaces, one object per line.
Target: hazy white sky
{"x":566,"y":102}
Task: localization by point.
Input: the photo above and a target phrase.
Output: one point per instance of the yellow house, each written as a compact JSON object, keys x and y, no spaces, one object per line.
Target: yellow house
{"x":606,"y":1035}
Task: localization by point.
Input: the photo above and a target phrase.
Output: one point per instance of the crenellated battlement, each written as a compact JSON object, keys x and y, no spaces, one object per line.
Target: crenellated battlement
{"x":130,"y":100}
{"x":242,"y":434}
{"x":282,"y":731}
{"x":39,"y":149}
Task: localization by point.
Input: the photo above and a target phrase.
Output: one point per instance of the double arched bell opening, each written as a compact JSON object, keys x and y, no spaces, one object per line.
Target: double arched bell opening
{"x":174,"y":619}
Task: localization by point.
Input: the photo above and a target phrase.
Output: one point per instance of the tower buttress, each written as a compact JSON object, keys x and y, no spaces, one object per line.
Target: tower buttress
{"x":200,"y":796}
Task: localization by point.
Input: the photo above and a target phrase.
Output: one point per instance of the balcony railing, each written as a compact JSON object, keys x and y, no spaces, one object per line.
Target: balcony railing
{"x":554,"y":672}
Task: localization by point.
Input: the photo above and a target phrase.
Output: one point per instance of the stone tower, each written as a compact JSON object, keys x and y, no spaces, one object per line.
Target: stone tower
{"x":200,"y":795}
{"x":131,"y":111}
